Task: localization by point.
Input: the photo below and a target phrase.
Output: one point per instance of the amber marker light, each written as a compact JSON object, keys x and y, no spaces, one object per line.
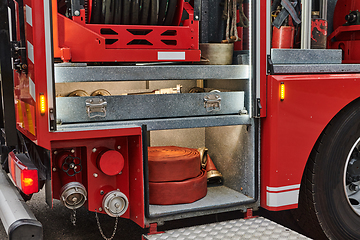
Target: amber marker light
{"x":42,"y":104}
{"x":282,"y":91}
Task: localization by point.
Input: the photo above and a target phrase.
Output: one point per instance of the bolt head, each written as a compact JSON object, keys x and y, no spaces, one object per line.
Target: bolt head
{"x":94,"y":150}
{"x":55,"y":152}
{"x":100,"y":209}
{"x":119,"y":147}
{"x":72,"y":150}
{"x":95,"y":175}
{"x":77,"y":13}
{"x":54,"y":169}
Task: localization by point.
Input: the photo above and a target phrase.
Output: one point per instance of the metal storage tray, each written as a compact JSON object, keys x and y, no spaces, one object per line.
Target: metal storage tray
{"x":153,"y":106}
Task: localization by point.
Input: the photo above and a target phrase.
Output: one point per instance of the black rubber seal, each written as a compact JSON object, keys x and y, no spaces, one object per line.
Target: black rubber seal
{"x":25,"y":229}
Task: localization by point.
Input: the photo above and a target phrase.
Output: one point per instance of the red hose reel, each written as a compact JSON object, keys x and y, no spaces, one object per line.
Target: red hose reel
{"x":130,"y":39}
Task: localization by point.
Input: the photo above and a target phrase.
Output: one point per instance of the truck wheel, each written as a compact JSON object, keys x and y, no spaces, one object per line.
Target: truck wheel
{"x":329,"y":200}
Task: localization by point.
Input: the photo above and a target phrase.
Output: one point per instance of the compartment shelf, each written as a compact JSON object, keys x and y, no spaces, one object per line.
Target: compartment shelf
{"x":217,"y":197}
{"x":67,"y":72}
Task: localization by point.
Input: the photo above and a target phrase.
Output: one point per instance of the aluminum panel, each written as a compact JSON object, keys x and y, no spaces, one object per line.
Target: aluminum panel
{"x":73,"y":109}
{"x":306,"y":56}
{"x":81,"y":73}
{"x":161,"y":124}
{"x":254,"y":228}
{"x":316,"y":68}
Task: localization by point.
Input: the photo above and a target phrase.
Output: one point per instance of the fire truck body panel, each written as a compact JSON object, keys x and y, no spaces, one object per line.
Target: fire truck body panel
{"x":293,"y":126}
{"x":261,"y":127}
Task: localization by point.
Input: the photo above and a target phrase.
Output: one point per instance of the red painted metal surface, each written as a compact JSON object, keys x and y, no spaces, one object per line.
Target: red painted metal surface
{"x":125,"y":43}
{"x":89,"y":150}
{"x":318,"y":33}
{"x":262,"y":70}
{"x":293,"y":126}
{"x":283,"y":37}
{"x":110,"y":162}
{"x":342,"y":9}
{"x":346,"y":38}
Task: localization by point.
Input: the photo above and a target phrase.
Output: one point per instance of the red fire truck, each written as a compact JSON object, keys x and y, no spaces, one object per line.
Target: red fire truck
{"x":157,"y":110}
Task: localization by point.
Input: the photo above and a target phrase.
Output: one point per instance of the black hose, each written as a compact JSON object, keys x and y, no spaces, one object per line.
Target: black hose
{"x":170,"y":13}
{"x":154,"y":12}
{"x":117,"y":13}
{"x":135,"y":12}
{"x":162,"y":11}
{"x":145,"y":12}
{"x":108,"y":11}
{"x":126,"y":12}
{"x":96,"y":11}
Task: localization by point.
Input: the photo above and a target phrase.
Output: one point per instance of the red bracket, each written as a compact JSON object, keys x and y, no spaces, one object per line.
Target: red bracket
{"x":249,"y":214}
{"x":153,"y":229}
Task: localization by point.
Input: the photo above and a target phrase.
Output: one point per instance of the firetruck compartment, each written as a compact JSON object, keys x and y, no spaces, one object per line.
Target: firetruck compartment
{"x":231,"y":148}
{"x":221,"y":97}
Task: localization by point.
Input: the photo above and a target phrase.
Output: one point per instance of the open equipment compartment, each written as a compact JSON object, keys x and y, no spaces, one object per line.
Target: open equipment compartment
{"x":181,"y":102}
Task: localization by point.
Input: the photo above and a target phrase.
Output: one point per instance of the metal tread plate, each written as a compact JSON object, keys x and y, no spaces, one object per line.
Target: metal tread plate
{"x":254,"y":228}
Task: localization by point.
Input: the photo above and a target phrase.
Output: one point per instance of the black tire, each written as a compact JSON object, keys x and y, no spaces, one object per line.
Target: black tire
{"x":324,"y":210}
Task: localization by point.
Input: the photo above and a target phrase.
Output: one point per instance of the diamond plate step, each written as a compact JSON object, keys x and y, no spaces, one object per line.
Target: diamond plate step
{"x":254,"y":228}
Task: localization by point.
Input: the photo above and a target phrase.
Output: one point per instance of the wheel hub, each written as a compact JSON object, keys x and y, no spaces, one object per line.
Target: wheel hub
{"x":352,"y":178}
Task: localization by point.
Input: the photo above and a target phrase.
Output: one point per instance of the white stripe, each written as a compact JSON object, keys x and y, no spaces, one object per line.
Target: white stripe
{"x":10,"y":24}
{"x":10,"y":33}
{"x":48,"y":53}
{"x":30,"y":51}
{"x":28,"y":15}
{"x":32,"y":89}
{"x":278,"y":189}
{"x":282,"y":199}
{"x":171,"y":55}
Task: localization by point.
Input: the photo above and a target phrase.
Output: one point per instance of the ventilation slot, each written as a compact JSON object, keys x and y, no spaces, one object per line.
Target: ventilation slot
{"x":169,"y":33}
{"x":138,"y":32}
{"x":140,"y":42}
{"x":170,"y":42}
{"x":110,"y":41}
{"x":108,"y":31}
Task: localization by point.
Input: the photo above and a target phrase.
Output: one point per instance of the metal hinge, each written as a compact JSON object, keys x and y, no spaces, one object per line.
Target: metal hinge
{"x":96,"y":107}
{"x":270,"y":65}
{"x":52,"y":119}
{"x":258,"y":107}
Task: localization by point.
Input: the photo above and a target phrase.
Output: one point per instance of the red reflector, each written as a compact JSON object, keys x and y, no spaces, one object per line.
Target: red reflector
{"x":23,"y":173}
{"x":29,"y":181}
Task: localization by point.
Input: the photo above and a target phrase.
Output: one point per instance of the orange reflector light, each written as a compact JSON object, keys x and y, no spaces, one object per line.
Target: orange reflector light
{"x":282,"y":91}
{"x":27,"y":181}
{"x":24,"y":173}
{"x":42,"y":104}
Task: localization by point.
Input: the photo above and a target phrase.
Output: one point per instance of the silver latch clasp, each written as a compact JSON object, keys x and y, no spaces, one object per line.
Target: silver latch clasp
{"x":96,"y":107}
{"x":212,"y":102}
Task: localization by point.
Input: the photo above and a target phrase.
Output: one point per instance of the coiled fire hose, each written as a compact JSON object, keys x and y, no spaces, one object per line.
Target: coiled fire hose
{"x":178,"y":175}
{"x":133,"y":12}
